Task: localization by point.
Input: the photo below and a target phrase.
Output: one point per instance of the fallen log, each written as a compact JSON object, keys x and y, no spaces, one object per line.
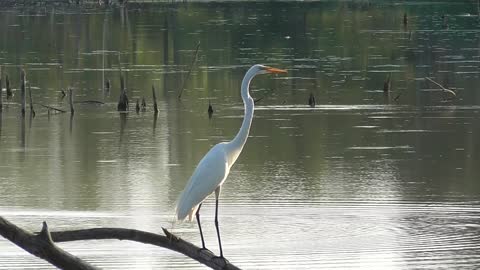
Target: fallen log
{"x":42,"y":244}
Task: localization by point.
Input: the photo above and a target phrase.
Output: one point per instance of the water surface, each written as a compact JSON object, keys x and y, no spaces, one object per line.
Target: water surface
{"x":358,"y":181}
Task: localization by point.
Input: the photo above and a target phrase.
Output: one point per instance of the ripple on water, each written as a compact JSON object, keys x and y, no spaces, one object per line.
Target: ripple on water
{"x":363,"y":233}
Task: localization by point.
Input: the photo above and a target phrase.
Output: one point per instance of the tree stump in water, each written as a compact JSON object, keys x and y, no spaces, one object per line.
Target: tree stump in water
{"x":22,"y":91}
{"x":123,"y":101}
{"x":7,"y":87}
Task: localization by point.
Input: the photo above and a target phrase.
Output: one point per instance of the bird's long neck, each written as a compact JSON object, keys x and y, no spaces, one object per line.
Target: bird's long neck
{"x":236,"y":145}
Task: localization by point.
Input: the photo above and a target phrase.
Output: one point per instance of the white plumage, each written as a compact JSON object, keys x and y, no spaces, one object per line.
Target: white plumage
{"x":209,"y":174}
{"x":214,"y":167}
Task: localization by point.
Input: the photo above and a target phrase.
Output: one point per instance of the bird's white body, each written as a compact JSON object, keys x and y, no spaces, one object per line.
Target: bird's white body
{"x":214,"y":167}
{"x":210,"y":173}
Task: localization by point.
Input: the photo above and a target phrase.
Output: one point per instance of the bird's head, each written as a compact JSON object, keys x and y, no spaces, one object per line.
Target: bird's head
{"x":261,"y":69}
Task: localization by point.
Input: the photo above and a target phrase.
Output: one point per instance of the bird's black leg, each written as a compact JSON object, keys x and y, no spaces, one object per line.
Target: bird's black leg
{"x":200,"y":226}
{"x":216,"y":226}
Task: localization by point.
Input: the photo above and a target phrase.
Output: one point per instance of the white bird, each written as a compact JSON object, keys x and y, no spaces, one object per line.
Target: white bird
{"x":214,"y":167}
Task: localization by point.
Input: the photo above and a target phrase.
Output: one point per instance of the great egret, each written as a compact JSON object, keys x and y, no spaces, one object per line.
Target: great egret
{"x":214,"y":167}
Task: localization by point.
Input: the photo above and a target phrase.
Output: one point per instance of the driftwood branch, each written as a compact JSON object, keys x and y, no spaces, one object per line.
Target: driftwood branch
{"x":169,"y":241}
{"x":41,"y":245}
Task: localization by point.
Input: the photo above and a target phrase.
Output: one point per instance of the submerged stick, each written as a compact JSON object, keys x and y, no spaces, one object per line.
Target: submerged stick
{"x":189,"y":71}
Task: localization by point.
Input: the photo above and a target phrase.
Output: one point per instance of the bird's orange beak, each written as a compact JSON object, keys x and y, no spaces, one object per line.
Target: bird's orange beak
{"x":275,"y":70}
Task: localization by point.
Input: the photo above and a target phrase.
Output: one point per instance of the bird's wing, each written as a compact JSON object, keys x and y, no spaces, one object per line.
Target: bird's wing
{"x":209,"y":174}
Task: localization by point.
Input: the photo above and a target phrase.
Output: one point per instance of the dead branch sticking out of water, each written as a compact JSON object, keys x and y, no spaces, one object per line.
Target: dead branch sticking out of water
{"x":42,"y":244}
{"x":155,"y":106}
{"x":32,"y":111}
{"x":22,"y":91}
{"x":387,"y":84}
{"x":123,"y":100}
{"x":443,"y":88}
{"x":210,"y":109}
{"x":311,"y":100}
{"x":52,"y":108}
{"x":70,"y":99}
{"x":144,"y":105}
{"x":89,"y":102}
{"x":189,"y":71}
{"x":8,"y":88}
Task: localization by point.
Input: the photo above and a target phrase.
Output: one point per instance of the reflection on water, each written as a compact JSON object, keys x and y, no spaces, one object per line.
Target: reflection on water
{"x":361,"y":180}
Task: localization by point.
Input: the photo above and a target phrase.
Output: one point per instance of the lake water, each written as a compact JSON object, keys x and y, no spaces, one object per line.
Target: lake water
{"x":359,"y":181}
